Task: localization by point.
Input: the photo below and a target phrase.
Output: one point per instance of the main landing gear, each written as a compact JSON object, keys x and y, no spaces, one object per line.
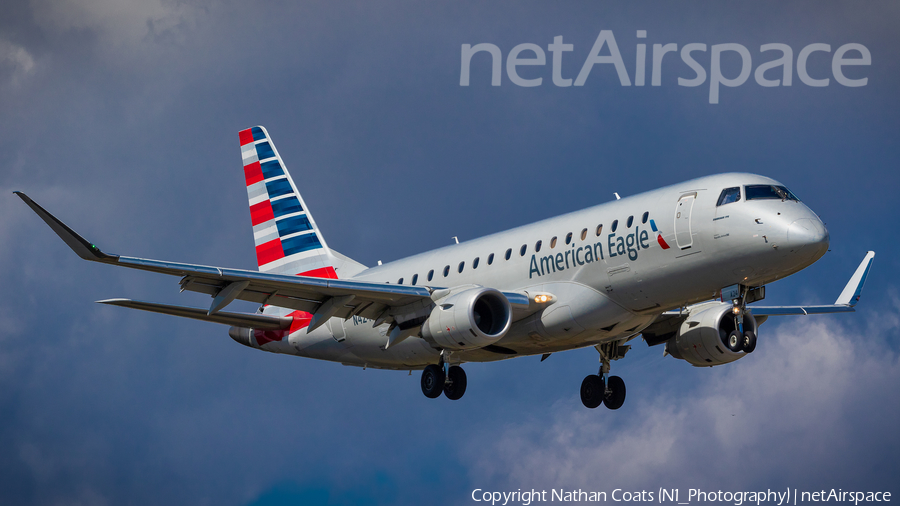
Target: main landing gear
{"x":601,"y":388}
{"x":452,"y":382}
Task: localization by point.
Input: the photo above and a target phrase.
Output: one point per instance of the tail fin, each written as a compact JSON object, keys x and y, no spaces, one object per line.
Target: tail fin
{"x":287,"y":238}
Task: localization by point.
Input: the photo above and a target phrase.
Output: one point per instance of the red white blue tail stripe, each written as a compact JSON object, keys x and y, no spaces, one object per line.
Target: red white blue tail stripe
{"x":287,"y":239}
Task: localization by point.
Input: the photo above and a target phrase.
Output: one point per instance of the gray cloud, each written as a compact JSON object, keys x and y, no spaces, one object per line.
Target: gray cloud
{"x":117,"y":23}
{"x":818,"y":395}
{"x":15,"y":62}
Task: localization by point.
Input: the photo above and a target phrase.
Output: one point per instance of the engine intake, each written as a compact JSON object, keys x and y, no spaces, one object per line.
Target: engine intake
{"x":470,"y":319}
{"x":702,"y":336}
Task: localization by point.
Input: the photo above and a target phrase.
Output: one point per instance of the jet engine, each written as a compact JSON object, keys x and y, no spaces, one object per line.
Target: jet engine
{"x":703,"y":337}
{"x":469,"y":319}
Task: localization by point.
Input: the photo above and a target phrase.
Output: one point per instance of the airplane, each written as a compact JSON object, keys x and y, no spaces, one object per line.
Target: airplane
{"x":678,"y":266}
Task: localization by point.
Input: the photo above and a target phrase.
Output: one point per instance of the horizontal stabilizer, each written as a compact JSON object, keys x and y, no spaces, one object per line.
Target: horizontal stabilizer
{"x":255,"y":321}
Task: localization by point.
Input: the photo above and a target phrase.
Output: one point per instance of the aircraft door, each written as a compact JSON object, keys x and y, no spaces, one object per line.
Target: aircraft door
{"x":683,"y":220}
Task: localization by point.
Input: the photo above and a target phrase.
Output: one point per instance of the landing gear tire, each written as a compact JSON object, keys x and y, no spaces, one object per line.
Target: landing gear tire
{"x":735,"y":341}
{"x":749,"y":342}
{"x":615,"y":392}
{"x":432,"y":381}
{"x":592,"y":391}
{"x":457,"y":385}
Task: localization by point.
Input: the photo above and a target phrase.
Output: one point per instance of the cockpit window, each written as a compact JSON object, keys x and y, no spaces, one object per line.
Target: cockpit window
{"x":729,"y":195}
{"x":767,"y":191}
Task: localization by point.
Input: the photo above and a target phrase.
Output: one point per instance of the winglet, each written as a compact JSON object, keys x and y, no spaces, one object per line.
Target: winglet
{"x":79,"y":245}
{"x":853,"y":290}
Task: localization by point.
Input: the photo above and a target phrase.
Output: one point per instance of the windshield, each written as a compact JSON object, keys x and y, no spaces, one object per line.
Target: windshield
{"x":767,"y":191}
{"x":729,"y":195}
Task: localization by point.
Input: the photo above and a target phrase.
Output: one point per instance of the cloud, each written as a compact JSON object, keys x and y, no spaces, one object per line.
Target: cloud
{"x":816,"y":397}
{"x":15,"y":61}
{"x":117,"y":22}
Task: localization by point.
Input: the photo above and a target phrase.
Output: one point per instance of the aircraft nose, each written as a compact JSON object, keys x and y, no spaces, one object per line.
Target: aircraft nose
{"x":808,"y":235}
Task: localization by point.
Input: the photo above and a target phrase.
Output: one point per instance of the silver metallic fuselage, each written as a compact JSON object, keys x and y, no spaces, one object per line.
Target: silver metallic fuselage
{"x":608,"y":285}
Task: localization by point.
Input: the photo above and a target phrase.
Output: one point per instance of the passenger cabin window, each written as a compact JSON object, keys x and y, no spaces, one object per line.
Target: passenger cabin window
{"x":615,"y":225}
{"x":400,"y":281}
{"x":446,"y":270}
{"x":730,"y":195}
{"x":568,"y":237}
{"x":599,"y":230}
{"x":537,"y":246}
{"x":415,"y":278}
{"x":430,"y":274}
{"x":475,"y":263}
{"x":462,"y":265}
{"x":629,"y":222}
{"x":553,"y":243}
{"x":766,"y":191}
{"x":583,"y":234}
{"x":644,"y":217}
{"x":508,"y":253}
{"x":523,"y":249}
{"x":490,"y":259}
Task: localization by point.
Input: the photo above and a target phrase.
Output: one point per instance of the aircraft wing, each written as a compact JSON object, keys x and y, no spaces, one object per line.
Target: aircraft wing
{"x":844,"y":303}
{"x":668,"y":323}
{"x":324,"y":298}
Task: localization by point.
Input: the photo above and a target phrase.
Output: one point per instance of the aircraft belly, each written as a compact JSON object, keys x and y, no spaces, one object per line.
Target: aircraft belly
{"x":318,"y":344}
{"x":581,"y":316}
{"x":525,"y":344}
{"x":367,"y":348}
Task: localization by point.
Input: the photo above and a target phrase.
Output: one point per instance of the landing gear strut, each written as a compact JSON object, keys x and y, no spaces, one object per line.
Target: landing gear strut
{"x":741,"y":338}
{"x":435,"y":380}
{"x":602,"y":388}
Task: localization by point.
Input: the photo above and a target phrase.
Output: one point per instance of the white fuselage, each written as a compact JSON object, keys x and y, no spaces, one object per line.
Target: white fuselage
{"x":607,"y":270}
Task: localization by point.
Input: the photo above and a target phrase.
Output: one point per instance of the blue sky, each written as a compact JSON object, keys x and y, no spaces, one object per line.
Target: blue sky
{"x":122,"y":118}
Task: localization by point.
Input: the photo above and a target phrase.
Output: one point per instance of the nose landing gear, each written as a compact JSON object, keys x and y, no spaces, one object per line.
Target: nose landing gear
{"x":602,"y":388}
{"x":742,"y":338}
{"x":749,"y":341}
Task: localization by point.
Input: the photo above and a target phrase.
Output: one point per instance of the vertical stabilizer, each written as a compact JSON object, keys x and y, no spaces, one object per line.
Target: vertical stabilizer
{"x":287,"y":238}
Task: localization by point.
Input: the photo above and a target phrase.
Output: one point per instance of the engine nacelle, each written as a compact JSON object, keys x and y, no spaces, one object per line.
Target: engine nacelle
{"x":702,"y":336}
{"x":470,"y":319}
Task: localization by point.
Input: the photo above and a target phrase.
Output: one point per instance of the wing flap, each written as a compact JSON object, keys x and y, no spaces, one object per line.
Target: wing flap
{"x":210,"y":280}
